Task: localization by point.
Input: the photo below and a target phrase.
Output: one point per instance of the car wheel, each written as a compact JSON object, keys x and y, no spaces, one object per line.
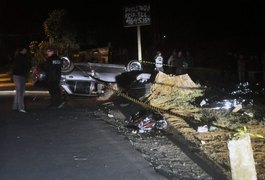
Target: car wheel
{"x":67,"y":66}
{"x":134,"y":65}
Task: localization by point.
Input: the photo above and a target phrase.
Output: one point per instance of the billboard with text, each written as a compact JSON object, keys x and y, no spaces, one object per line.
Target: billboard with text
{"x":137,"y":15}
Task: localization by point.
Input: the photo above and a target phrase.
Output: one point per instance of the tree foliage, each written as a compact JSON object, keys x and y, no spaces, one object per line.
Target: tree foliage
{"x":54,"y":25}
{"x":38,"y":51}
{"x":60,"y":34}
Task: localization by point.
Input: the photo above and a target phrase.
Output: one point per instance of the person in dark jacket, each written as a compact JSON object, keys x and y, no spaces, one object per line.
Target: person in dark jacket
{"x":20,"y":69}
{"x":179,"y":63}
{"x":52,"y":67}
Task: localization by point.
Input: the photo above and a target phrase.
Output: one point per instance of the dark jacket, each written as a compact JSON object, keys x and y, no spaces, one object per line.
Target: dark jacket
{"x":52,"y":68}
{"x":21,"y":65}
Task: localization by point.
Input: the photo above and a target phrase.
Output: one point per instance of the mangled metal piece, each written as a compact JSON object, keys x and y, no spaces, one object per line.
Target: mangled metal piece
{"x":241,"y":96}
{"x":143,"y":77}
{"x":220,"y":104}
{"x":146,"y":121}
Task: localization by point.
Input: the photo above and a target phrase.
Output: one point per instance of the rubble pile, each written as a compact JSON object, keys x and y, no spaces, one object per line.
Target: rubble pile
{"x":231,"y":110}
{"x":174,"y":92}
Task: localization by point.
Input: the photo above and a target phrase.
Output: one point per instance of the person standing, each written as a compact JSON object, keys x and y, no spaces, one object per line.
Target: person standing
{"x":189,"y":59}
{"x":20,"y":69}
{"x":179,"y":63}
{"x":159,"y":62}
{"x":187,"y":62}
{"x":52,"y":68}
{"x":172,"y":61}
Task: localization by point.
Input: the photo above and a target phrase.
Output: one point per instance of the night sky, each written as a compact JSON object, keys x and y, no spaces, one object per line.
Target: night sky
{"x":241,"y":22}
{"x":28,"y":16}
{"x":214,"y":16}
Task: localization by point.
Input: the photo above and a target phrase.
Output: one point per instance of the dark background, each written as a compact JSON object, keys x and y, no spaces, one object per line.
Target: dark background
{"x":208,"y":29}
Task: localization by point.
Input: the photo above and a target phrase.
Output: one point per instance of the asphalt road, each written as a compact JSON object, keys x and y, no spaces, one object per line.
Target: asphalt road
{"x":72,"y":143}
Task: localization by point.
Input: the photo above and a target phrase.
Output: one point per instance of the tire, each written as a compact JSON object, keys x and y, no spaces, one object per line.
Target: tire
{"x":134,"y":65}
{"x":67,"y":66}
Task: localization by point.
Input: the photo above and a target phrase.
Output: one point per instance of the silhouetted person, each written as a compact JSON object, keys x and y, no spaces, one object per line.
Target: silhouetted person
{"x":20,"y":69}
{"x":188,"y":61}
{"x":52,"y":67}
{"x":172,"y":61}
{"x":179,"y":63}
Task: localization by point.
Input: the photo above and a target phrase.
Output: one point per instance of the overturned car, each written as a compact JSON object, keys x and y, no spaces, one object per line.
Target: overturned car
{"x":86,"y":78}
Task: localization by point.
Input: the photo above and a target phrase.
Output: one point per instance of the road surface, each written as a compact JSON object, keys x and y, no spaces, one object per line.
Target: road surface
{"x":72,"y":143}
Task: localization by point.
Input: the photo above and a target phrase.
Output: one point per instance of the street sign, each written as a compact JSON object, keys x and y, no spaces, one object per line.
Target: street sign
{"x":137,"y":15}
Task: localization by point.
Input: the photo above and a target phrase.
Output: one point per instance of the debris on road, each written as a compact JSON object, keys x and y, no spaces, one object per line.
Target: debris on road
{"x":147,"y":121}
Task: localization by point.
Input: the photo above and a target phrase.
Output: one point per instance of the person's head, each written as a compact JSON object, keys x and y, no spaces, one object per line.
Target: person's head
{"x":49,"y":51}
{"x":174,"y":52}
{"x":179,"y":53}
{"x":158,"y":53}
{"x":23,"y":51}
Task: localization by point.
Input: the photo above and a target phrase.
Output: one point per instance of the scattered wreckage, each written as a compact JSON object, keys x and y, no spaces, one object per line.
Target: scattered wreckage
{"x":146,"y":121}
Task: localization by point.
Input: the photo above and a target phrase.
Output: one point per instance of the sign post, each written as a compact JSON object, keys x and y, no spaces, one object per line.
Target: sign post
{"x":137,"y":15}
{"x":139,"y":45}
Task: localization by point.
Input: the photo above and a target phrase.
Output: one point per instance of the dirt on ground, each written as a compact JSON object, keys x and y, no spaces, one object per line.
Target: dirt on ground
{"x":176,"y":96}
{"x":182,"y":103}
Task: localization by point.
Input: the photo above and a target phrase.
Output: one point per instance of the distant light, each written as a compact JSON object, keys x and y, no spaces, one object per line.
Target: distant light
{"x":164,"y":36}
